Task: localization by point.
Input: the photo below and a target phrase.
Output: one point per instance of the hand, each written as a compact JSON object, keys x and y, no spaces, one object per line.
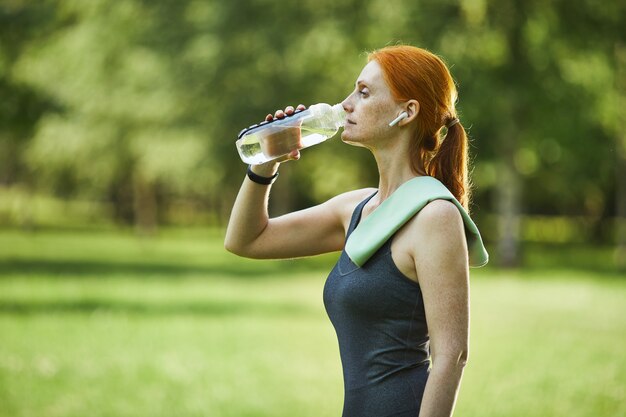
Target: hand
{"x":280,"y":114}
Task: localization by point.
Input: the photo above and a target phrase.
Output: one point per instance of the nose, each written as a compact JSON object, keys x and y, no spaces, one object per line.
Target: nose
{"x":347,"y":105}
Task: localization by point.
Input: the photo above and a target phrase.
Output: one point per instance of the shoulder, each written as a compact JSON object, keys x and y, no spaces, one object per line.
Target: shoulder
{"x":351,"y":198}
{"x":438,"y":241}
{"x":438,"y":225}
{"x":343,"y":204}
{"x":439,"y":214}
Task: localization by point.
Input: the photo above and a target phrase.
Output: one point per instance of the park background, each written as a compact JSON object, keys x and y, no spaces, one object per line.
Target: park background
{"x":118,"y":170}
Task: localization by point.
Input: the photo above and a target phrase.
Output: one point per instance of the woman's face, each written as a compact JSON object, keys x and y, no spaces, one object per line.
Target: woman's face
{"x":370,"y":108}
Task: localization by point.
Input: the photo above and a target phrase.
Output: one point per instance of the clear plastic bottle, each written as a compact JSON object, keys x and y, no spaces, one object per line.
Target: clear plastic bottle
{"x":267,"y":141}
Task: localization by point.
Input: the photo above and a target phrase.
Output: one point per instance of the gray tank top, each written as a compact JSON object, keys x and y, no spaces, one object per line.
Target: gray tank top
{"x":378,"y":315}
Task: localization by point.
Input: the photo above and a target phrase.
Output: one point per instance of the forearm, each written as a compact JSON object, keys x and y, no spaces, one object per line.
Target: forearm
{"x":441,"y":390}
{"x":249,"y":216}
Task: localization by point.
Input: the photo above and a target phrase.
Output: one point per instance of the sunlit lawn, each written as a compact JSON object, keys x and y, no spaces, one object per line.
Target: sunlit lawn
{"x":106,"y":324}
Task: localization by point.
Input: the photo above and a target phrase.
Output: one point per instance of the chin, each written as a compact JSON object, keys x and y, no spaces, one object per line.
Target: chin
{"x":351,"y":140}
{"x":348,"y":141}
{"x":346,"y":138}
{"x":353,"y":143}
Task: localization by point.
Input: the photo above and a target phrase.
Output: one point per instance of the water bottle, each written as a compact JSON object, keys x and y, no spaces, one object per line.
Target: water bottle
{"x":267,"y":141}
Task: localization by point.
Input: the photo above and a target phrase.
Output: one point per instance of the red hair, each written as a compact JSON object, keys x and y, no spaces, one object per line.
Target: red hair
{"x":415,"y":73}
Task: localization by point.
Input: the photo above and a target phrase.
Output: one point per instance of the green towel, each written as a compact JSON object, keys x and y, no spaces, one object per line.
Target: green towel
{"x":401,"y":206}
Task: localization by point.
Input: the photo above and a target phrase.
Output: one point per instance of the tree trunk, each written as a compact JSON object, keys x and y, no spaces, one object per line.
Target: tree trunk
{"x":620,"y":198}
{"x":620,"y":163}
{"x":144,"y":205}
{"x":508,"y":195}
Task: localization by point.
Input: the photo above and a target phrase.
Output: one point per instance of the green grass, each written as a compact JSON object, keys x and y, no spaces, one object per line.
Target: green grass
{"x":107,"y":324}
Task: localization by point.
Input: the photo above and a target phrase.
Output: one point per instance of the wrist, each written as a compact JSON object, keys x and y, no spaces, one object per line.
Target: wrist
{"x":261,"y":179}
{"x":265,"y":170}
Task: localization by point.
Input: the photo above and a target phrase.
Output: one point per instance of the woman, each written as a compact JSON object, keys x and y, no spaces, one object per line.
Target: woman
{"x":411,"y":298}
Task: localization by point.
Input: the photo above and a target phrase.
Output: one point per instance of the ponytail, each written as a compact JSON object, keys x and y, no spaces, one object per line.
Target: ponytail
{"x":450,"y":164}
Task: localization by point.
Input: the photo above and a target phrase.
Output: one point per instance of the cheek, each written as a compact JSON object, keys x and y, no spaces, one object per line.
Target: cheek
{"x":378,"y":111}
{"x":371,"y":117}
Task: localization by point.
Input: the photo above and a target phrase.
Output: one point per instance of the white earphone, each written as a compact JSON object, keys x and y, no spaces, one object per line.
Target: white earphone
{"x":397,"y":119}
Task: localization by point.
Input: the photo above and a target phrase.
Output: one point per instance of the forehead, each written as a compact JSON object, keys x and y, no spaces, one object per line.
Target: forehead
{"x":372,"y":74}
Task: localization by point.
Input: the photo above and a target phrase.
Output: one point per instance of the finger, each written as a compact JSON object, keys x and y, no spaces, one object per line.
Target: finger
{"x":291,"y":156}
{"x":279,"y":114}
{"x":269,"y":118}
{"x":301,"y":107}
{"x":289,"y":110}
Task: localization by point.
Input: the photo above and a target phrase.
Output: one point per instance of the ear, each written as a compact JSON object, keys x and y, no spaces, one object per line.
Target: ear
{"x":412,"y":108}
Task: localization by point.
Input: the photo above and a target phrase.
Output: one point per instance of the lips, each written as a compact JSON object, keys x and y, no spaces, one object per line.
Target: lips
{"x":348,"y":121}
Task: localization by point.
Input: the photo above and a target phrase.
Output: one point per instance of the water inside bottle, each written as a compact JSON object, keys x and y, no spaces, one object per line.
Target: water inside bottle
{"x":258,"y":148}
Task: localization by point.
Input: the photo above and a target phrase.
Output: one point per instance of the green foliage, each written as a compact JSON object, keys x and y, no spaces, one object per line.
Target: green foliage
{"x":138,"y":103}
{"x":22,"y":105}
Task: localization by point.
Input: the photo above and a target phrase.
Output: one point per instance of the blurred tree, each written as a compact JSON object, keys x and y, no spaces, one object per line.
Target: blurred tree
{"x":523,"y":67}
{"x":124,"y":134}
{"x":620,"y":139}
{"x":272,"y":55}
{"x":21,"y":24}
{"x":151,"y":95}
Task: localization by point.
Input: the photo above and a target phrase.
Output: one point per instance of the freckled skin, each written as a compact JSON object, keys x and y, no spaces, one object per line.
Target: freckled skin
{"x":371,"y":106}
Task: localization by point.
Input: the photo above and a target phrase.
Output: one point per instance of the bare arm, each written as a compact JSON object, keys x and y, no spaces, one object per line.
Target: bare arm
{"x":319,"y":229}
{"x":312,"y":231}
{"x":441,"y":263}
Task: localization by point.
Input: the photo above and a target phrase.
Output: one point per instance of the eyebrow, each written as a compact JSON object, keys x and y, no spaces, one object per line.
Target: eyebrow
{"x":362,"y":83}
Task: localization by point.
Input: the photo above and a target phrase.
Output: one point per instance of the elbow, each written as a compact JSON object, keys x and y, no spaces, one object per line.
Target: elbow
{"x":238,"y":249}
{"x":235,"y":250}
{"x":453,"y":360}
{"x":463,"y":358}
{"x":232,"y":247}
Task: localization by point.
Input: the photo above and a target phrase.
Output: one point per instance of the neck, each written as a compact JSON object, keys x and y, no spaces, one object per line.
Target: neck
{"x":394,"y":168}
